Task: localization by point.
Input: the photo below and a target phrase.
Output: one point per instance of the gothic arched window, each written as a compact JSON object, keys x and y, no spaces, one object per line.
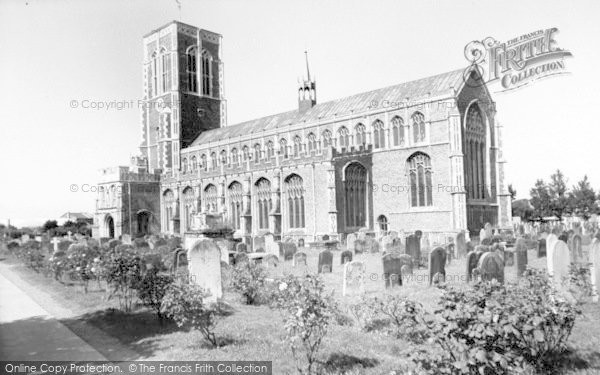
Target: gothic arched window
{"x":235,"y":158}
{"x":168,"y":202}
{"x":326,"y":138}
{"x":263,"y":202}
{"x":184,"y":165}
{"x":283,"y":148}
{"x":203,"y":162}
{"x":475,"y":141}
{"x":355,"y":186}
{"x":382,"y":221}
{"x":256,"y":153}
{"x":192,"y":69}
{"x":245,"y":153}
{"x":418,"y":127}
{"x":297,"y":146}
{"x":234,"y":195}
{"x":343,"y":137}
{"x":419,"y":174}
{"x":189,"y":206}
{"x":165,"y":67}
{"x":223,"y":157}
{"x":270,"y":150}
{"x":210,"y":198}
{"x":361,"y":134}
{"x":295,"y":196}
{"x":213,"y":160}
{"x":312,"y":142}
{"x":194,"y":163}
{"x":206,"y":73}
{"x":398,"y":131}
{"x":378,"y":134}
{"x":154,"y":74}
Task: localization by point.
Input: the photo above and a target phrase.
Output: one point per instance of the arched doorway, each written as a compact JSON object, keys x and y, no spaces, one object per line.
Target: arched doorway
{"x":110,"y":226}
{"x":143,"y":222}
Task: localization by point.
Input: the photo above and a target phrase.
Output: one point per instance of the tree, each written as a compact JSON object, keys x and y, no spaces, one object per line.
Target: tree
{"x":49,"y":225}
{"x":559,"y":201}
{"x":512,"y":191}
{"x":522,"y":208}
{"x":540,"y":199}
{"x":582,"y":200}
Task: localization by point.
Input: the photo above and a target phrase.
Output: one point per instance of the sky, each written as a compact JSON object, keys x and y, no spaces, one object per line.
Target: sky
{"x":55,"y":52}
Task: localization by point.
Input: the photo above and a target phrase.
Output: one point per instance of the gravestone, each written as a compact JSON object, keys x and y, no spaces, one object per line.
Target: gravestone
{"x":240,"y":258}
{"x":521,"y":253}
{"x":271,"y":260}
{"x":325,"y":261}
{"x":509,"y":258}
{"x":491,"y":266}
{"x":482,"y":235}
{"x":393,"y":234}
{"x":224,"y":247}
{"x":595,"y":270}
{"x":371,"y":245}
{"x":204,"y":263}
{"x":406,"y":260}
{"x":345,"y":257}
{"x":437,"y":263}
{"x":350,"y":241}
{"x":271,"y":246}
{"x":472,"y":263}
{"x":577,"y":249}
{"x":241,"y":248}
{"x":450,"y":252}
{"x":550,"y":242}
{"x":387,"y":242}
{"x":354,"y":277}
{"x":541,"y":248}
{"x":299,"y":259}
{"x":360,"y":246}
{"x":392,"y":270}
{"x":55,"y":241}
{"x":413,"y":248}
{"x":258,"y":242}
{"x":405,"y":270}
{"x":288,"y":249}
{"x":489,"y":231}
{"x":561,"y":261}
{"x":461,"y":244}
{"x":126,"y":239}
{"x":301,"y":242}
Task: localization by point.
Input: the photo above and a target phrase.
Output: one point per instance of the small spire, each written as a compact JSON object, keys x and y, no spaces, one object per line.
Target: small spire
{"x":307,"y":70}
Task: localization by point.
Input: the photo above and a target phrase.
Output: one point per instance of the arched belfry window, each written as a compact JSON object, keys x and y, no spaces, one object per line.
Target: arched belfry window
{"x":194,"y":163}
{"x":263,"y":202}
{"x":234,"y":195}
{"x":418,"y":127}
{"x":294,"y":187}
{"x":213,"y":160}
{"x":398,"y":131}
{"x":223,"y":157}
{"x":355,"y":186}
{"x":419,"y":175}
{"x":245,"y":153}
{"x":165,"y":68}
{"x":361,"y":135}
{"x":189,"y":206}
{"x":192,"y":69}
{"x":343,"y":137}
{"x":378,"y":134}
{"x":154,"y":74}
{"x":210,"y":198}
{"x":206,"y":73}
{"x":475,"y":143}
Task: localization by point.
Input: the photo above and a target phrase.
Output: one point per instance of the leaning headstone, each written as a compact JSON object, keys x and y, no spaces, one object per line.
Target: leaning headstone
{"x":413,"y":248}
{"x":595,"y":270}
{"x":561,"y":262}
{"x":541,"y":248}
{"x":392,"y":270}
{"x":354,"y":277}
{"x":437,"y":263}
{"x":482,"y":235}
{"x":345,"y":257}
{"x":521,"y":252}
{"x":472,"y":263}
{"x":550,"y":242}
{"x":241,"y":247}
{"x":301,"y":242}
{"x":299,"y":259}
{"x":205,"y":268}
{"x":406,"y":260}
{"x":350,"y":241}
{"x":491,"y":266}
{"x":288,"y":249}
{"x":325,"y":261}
{"x":461,"y":244}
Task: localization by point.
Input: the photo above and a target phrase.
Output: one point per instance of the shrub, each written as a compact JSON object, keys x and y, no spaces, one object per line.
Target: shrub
{"x":307,"y":312}
{"x":248,"y":278}
{"x":184,"y":303}
{"x":31,"y":254}
{"x":152,"y":289}
{"x":122,"y":271}
{"x":81,"y":262}
{"x":579,"y":283}
{"x":498,"y":329}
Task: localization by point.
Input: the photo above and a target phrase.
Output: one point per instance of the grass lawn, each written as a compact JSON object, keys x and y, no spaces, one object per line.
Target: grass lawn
{"x":255,"y":332}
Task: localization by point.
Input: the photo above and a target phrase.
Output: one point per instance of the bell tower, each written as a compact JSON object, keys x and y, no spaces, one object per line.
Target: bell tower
{"x":307,"y":92}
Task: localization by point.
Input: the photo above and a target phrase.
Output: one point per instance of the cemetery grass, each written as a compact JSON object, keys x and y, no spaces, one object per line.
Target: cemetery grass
{"x":256,"y":332}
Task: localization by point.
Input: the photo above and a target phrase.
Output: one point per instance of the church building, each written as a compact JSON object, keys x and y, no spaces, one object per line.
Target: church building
{"x":422,"y":155}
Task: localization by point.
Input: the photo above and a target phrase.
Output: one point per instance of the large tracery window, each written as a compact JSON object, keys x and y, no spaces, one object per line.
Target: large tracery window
{"x":343,"y":137}
{"x":270,"y":150}
{"x":418,"y":127}
{"x":206,"y":73}
{"x":355,"y":186}
{"x":189,"y":206}
{"x":312,"y":143}
{"x":213,"y":160}
{"x":475,"y":141}
{"x":295,"y":196}
{"x":245,"y":153}
{"x":256,"y":153}
{"x":283,"y":148}
{"x":168,"y":201}
{"x":192,"y":69}
{"x":263,"y":202}
{"x":203,"y":162}
{"x":210,"y":198}
{"x":297,"y":146}
{"x":165,"y":67}
{"x":361,"y":135}
{"x":398,"y":131}
{"x":235,"y":158}
{"x":378,"y":134}
{"x":235,"y":194}
{"x":419,"y":173}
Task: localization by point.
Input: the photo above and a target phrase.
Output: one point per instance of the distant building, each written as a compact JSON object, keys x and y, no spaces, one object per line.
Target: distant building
{"x":421,"y":155}
{"x":76,"y":217}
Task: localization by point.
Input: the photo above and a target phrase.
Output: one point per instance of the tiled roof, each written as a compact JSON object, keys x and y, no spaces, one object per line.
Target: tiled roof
{"x":434,"y":85}
{"x":77,"y":215}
